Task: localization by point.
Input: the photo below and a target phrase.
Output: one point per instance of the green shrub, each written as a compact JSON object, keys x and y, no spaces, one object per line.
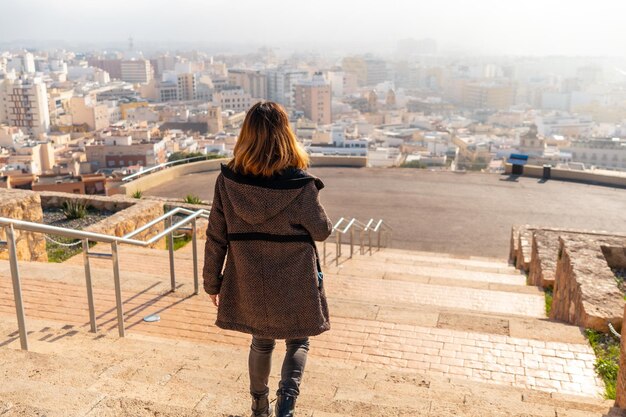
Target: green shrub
{"x":73,"y":209}
{"x":548,"y":295}
{"x":192,"y":199}
{"x":138,"y":194}
{"x":179,"y":242}
{"x":606,"y":348}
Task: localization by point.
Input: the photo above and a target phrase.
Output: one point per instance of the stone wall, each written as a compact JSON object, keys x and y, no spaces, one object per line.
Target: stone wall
{"x":521,"y":246}
{"x":513,"y":244}
{"x":338,"y":161}
{"x":609,"y":178}
{"x":577,"y":264}
{"x":166,"y":175}
{"x":585,"y":290}
{"x":132,"y":218}
{"x":23,"y":205}
{"x":544,"y":251}
{"x":129,"y":215}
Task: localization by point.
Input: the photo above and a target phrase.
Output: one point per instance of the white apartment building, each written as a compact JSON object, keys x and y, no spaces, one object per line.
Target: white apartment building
{"x":338,"y":144}
{"x":601,"y":153}
{"x":24,"y":104}
{"x":10,"y":137}
{"x":281,"y":84}
{"x":24,"y":63}
{"x":342,"y":83}
{"x":136,"y":71}
{"x":564,"y":124}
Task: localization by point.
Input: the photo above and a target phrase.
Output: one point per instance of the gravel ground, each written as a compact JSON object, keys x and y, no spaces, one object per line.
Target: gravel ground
{"x":55,"y":217}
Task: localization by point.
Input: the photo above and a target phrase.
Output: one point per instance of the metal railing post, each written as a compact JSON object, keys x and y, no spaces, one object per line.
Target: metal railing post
{"x":351,"y":242}
{"x":378,"y":238}
{"x":170,"y":244}
{"x":88,"y":284}
{"x":196,"y":283}
{"x":338,"y":248}
{"x":118,"y":289}
{"x":17,"y":287}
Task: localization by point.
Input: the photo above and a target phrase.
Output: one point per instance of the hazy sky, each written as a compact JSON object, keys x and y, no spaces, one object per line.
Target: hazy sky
{"x":537,"y":27}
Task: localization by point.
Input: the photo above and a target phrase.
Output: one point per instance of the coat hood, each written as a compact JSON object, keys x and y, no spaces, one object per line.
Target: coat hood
{"x":256,"y":199}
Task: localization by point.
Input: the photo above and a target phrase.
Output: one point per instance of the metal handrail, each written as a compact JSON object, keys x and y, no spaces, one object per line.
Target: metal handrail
{"x":352,"y":225}
{"x":11,"y":224}
{"x":163,"y":165}
{"x":384,"y":234}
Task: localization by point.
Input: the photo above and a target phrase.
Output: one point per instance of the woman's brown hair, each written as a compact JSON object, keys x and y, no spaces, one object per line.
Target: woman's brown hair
{"x":266,"y":144}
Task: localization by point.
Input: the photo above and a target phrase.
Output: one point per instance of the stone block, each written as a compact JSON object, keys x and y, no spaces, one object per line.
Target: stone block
{"x":132,"y":218}
{"x":23,"y":205}
{"x":585,"y":290}
{"x":523,"y":247}
{"x":544,"y":252}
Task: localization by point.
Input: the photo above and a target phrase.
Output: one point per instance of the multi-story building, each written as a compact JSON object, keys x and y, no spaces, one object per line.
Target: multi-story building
{"x":488,"y":95}
{"x":233,"y":98}
{"x":253,"y":82}
{"x":281,"y":82}
{"x":112,"y":66}
{"x":10,"y":137}
{"x":342,"y":83}
{"x":24,"y":63}
{"x":33,"y":158}
{"x":564,"y":124}
{"x":368,"y":71}
{"x":24,"y":104}
{"x":122,"y":151}
{"x":186,"y":86}
{"x":86,"y":111}
{"x":59,"y":107}
{"x":314,"y":99}
{"x":601,"y":153}
{"x":137,"y":71}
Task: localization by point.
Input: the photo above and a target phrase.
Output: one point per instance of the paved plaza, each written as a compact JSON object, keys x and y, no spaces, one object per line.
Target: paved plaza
{"x":460,"y":213}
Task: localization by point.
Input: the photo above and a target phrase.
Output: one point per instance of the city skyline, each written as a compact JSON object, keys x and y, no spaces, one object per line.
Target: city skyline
{"x":485,"y":27}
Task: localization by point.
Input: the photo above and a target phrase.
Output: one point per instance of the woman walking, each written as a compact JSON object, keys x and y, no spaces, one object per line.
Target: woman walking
{"x":266,"y":216}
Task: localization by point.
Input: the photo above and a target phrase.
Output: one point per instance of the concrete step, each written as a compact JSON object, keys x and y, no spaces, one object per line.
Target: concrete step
{"x":448,"y":348}
{"x":428,"y":259}
{"x":379,"y":303}
{"x":84,"y":374}
{"x":378,"y":290}
{"x":377,"y":269}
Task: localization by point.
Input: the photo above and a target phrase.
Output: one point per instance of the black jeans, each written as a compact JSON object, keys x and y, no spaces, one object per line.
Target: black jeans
{"x":260,"y":364}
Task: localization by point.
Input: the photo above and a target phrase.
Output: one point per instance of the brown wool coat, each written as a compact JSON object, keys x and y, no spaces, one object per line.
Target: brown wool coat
{"x":269,"y":285}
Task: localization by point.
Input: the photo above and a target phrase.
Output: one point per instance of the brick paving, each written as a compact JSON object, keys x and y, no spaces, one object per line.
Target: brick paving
{"x":533,"y":364}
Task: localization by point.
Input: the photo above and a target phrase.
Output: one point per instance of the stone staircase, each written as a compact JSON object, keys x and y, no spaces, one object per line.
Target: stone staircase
{"x":413,"y":334}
